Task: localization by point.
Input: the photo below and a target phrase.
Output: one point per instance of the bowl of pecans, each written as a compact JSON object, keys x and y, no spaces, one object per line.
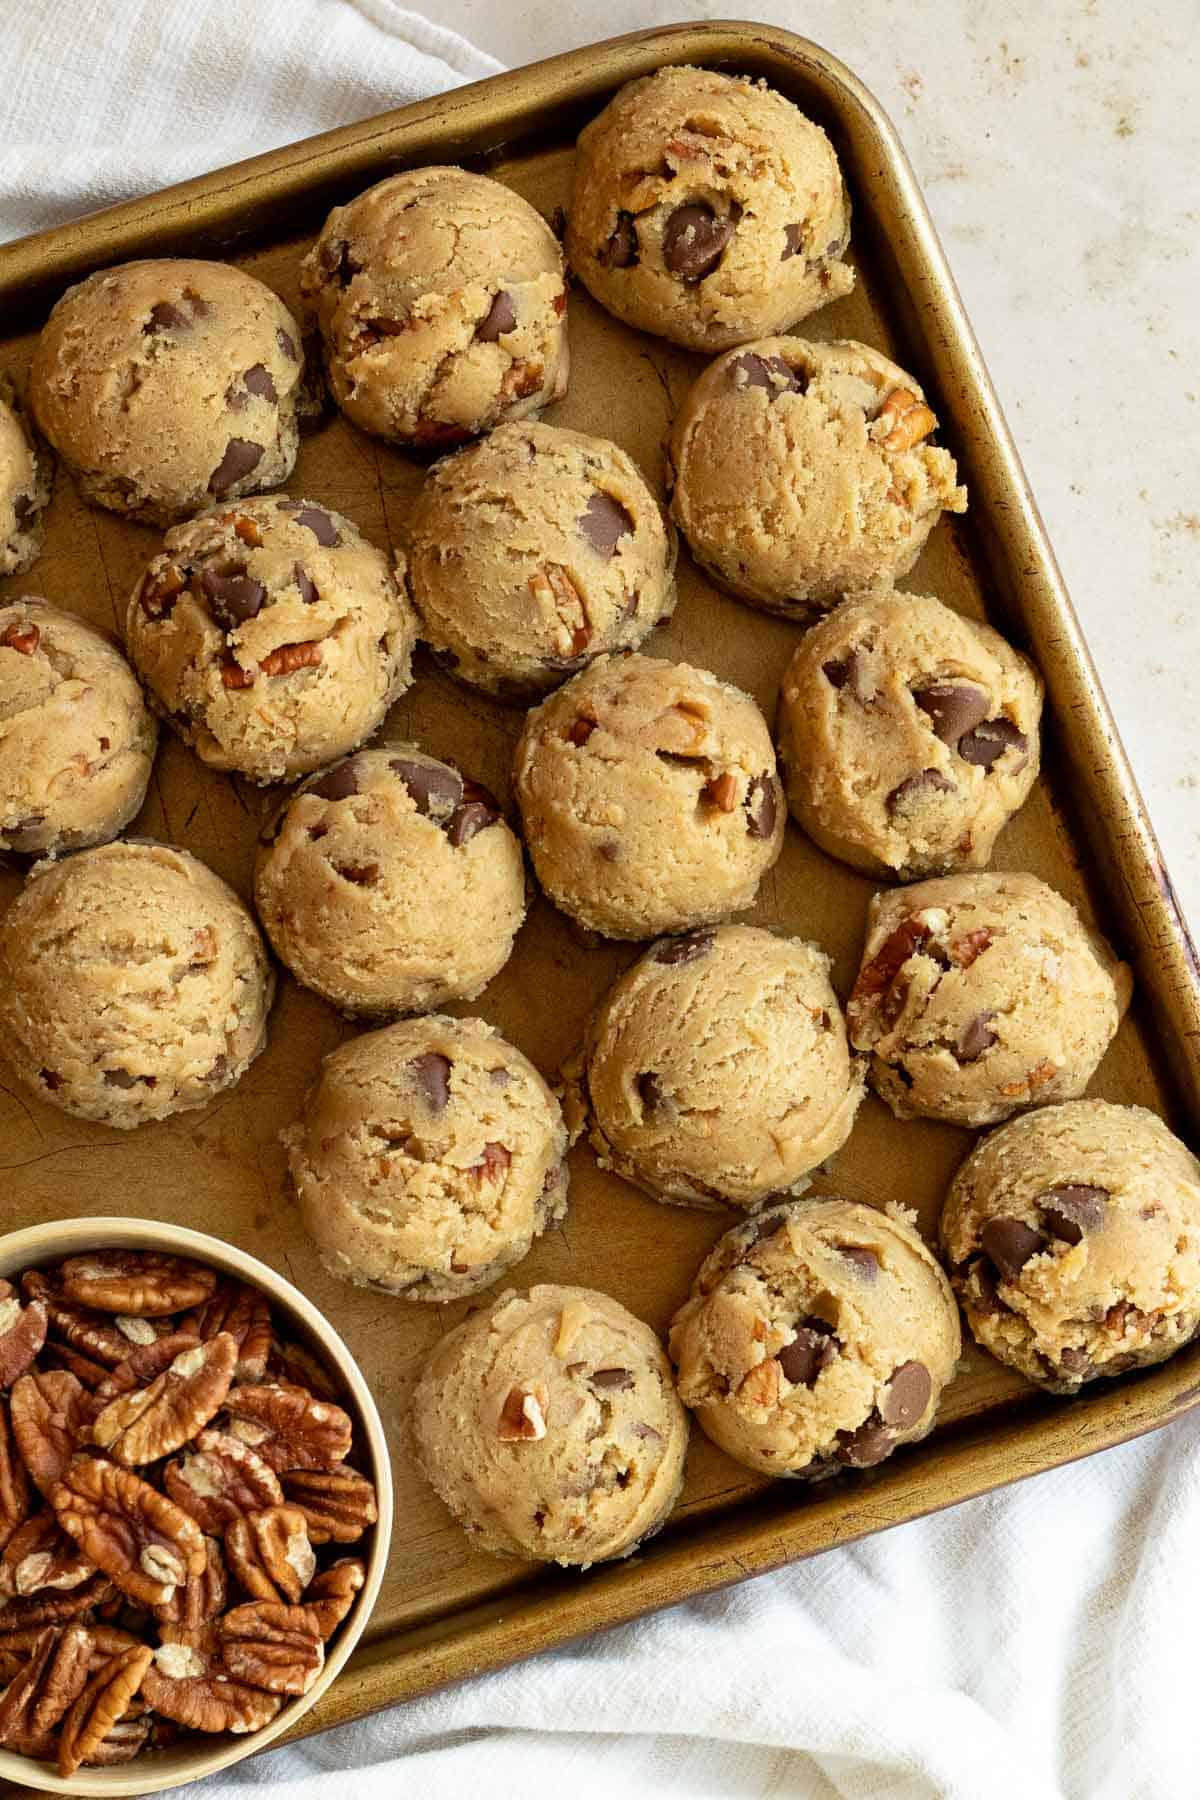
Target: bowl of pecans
{"x":195,"y":1506}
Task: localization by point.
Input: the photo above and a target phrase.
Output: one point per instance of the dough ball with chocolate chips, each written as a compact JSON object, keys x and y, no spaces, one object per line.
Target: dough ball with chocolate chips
{"x":428,"y":1158}
{"x":708,"y":209}
{"x":272,"y":635}
{"x":168,"y":385}
{"x":908,"y":735}
{"x":442,"y":299}
{"x":817,"y":1336}
{"x":76,"y":739}
{"x":801,"y":473}
{"x":716,"y":1070}
{"x":1073,"y":1239}
{"x":25,"y":475}
{"x":533,"y":552}
{"x":133,"y":984}
{"x":980,"y":996}
{"x":649,"y":797}
{"x":549,"y":1426}
{"x":391,"y":884}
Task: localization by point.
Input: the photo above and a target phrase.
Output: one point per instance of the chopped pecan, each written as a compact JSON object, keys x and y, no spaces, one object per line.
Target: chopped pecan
{"x":760,"y":1387}
{"x":100,"y":1706}
{"x":160,"y":590}
{"x":288,"y":657}
{"x":331,"y":1594}
{"x":338,"y":1504}
{"x":969,"y":945}
{"x":221,"y":1479}
{"x":270,"y":1553}
{"x":233,"y":675}
{"x":144,"y":1283}
{"x":271,"y":1646}
{"x":50,"y":1414}
{"x":202,"y":1597}
{"x":903,"y":421}
{"x":22,"y":1334}
{"x":24,"y":639}
{"x":151,"y":1422}
{"x":493,"y":1165}
{"x":245,"y":1314}
{"x":721,"y":792}
{"x":39,"y":1555}
{"x":877,"y":976}
{"x":144,"y":1365}
{"x":523,"y":1415}
{"x":288,"y":1428}
{"x":14,"y":1482}
{"x":295,"y":1366}
{"x":522,"y":379}
{"x":178,"y":1684}
{"x":87,"y":1332}
{"x":137,"y":1536}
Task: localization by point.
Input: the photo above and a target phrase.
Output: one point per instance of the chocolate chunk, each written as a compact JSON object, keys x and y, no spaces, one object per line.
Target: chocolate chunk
{"x":766,"y":1225}
{"x":500,"y":1077}
{"x":984,"y":1294}
{"x":1009,"y":1244}
{"x":864,"y":1262}
{"x":309,"y":592}
{"x":694,"y":240}
{"x":581,"y":731}
{"x":337,"y":261}
{"x":762,"y":808}
{"x":479,"y":810}
{"x":989,"y":741}
{"x":793,"y":241}
{"x":320,"y":524}
{"x":650,"y":1091}
{"x":360,"y":874}
{"x":1075,"y":1362}
{"x":603,"y":522}
{"x":23,"y":505}
{"x":975,"y":1037}
{"x":287,"y":345}
{"x":431,"y":1072}
{"x":165,"y":316}
{"x":233,"y":598}
{"x":119,"y":1078}
{"x":1072,"y":1209}
{"x":52,"y":1078}
{"x":863,"y":1448}
{"x":915,"y":788}
{"x":431,"y":785}
{"x":339,"y":784}
{"x":621,"y":251}
{"x":684,"y":949}
{"x":770,"y":372}
{"x":808,"y":1353}
{"x":838,"y":671}
{"x":241,"y":456}
{"x":907,"y":1395}
{"x":952,"y":707}
{"x":218,"y":1070}
{"x":501,"y":317}
{"x":257,"y":381}
{"x":620,"y":1379}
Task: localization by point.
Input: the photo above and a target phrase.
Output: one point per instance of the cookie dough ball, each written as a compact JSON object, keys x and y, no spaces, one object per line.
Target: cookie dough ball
{"x":167,"y":385}
{"x":716,"y":1070}
{"x":533,"y":552}
{"x":429,"y":1157}
{"x":816,"y":1336}
{"x":981,"y":995}
{"x":908,"y":735}
{"x":24,"y":487}
{"x":76,"y":740}
{"x":649,"y":797}
{"x":441,"y":298}
{"x":391,"y":884}
{"x":802,"y":474}
{"x":273,"y":636}
{"x":1073,"y":1238}
{"x":549,"y":1426}
{"x":708,"y":209}
{"x":133,"y":984}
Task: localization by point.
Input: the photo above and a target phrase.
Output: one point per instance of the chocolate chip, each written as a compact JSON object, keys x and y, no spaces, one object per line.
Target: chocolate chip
{"x":694,"y":240}
{"x":684,"y":949}
{"x":766,"y":1225}
{"x":650,"y":1091}
{"x":906,"y":1395}
{"x":164,"y":316}
{"x":339,"y":784}
{"x":119,"y":1078}
{"x":793,"y":241}
{"x":952,"y":708}
{"x":52,"y":1079}
{"x":241,"y":456}
{"x":23,"y":505}
{"x":838,"y":671}
{"x":647,"y":1432}
{"x":233,"y":598}
{"x":431,"y":1072}
{"x":1009,"y":1244}
{"x":320,"y":524}
{"x":218,"y":1071}
{"x":762,"y":808}
{"x":863,"y":1448}
{"x":983,"y":746}
{"x":808,"y":1353}
{"x":309,"y":592}
{"x":621,"y":1379}
{"x":501,"y":317}
{"x":864,"y":1262}
{"x":1072,"y":1209}
{"x":915,"y":788}
{"x":430,"y":785}
{"x":621,"y":251}
{"x":581,"y":731}
{"x":769,"y":372}
{"x":257,"y":381}
{"x":359,"y":874}
{"x":975,"y":1037}
{"x":500,"y":1077}
{"x":604,"y":522}
{"x":287,"y":345}
{"x":984,"y":1295}
{"x":337,"y":261}
{"x":1075,"y":1362}
{"x":479,"y":810}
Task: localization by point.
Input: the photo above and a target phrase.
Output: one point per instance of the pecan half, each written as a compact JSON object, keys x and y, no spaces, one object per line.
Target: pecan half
{"x":294,"y":1365}
{"x":22,"y":1334}
{"x":221,"y":1479}
{"x":288,"y":1428}
{"x":289,"y":657}
{"x":178,"y":1684}
{"x":14,"y":1482}
{"x":100,"y":1706}
{"x":151,"y":1422}
{"x":202,"y":1597}
{"x":50,"y":1608}
{"x":903,"y":421}
{"x":50,"y":1414}
{"x":125,"y":1740}
{"x":87,"y":1332}
{"x":144,"y":1283}
{"x":270,"y":1553}
{"x":87,"y":1373}
{"x":331,"y":1594}
{"x":137,"y":1536}
{"x":245,"y":1314}
{"x":272,"y":1647}
{"x":145,"y":1364}
{"x":338,"y":1504}
{"x":24,"y":639}
{"x":39,"y":1555}
{"x":41,"y":1692}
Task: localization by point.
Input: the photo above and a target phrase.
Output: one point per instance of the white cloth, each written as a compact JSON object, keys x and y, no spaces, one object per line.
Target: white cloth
{"x":1035,"y":1645}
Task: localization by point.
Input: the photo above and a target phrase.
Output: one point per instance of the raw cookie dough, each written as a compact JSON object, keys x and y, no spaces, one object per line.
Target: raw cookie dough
{"x":801,"y":473}
{"x":76,"y":740}
{"x":649,"y":797}
{"x":716,"y":1070}
{"x":24,"y":487}
{"x":441,"y":298}
{"x":429,"y":1157}
{"x":549,"y":1426}
{"x":391,"y":883}
{"x":532,"y":552}
{"x":1073,"y":1239}
{"x":908,"y":735}
{"x":981,"y":995}
{"x":133,"y":984}
{"x":817,"y":1335}
{"x":708,"y":209}
{"x":167,"y":385}
{"x":272,"y":635}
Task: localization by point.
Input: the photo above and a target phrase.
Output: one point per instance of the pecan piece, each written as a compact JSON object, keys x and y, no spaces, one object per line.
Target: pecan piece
{"x":903,"y":421}
{"x":39,"y":1555}
{"x":137,"y":1536}
{"x":202,"y":1597}
{"x":288,"y":1428}
{"x":288,"y":657}
{"x":24,"y":639}
{"x":523,"y":1415}
{"x":245,"y":1314}
{"x":87,"y":1373}
{"x":125,"y":1740}
{"x":760,"y":1387}
{"x":100,"y":1706}
{"x":331,"y":1594}
{"x":151,"y":1422}
{"x":45,"y":1687}
{"x":144,"y":1365}
{"x":144,"y":1283}
{"x":178,"y":1685}
{"x":338,"y":1504}
{"x":270,"y":1554}
{"x":271,"y":1646}
{"x":50,"y":1413}
{"x":22,"y":1334}
{"x":294,"y":1365}
{"x":87,"y":1332}
{"x":233,"y":675}
{"x":221,"y":1479}
{"x":51,"y":1608}
{"x":14,"y":1482}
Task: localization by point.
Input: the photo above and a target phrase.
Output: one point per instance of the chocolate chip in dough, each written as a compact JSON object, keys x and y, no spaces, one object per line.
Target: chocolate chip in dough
{"x":430,"y":785}
{"x":975,"y":1037}
{"x":762,"y":808}
{"x":431,"y":1071}
{"x":339,"y":784}
{"x":1009,"y":1244}
{"x":604,"y":522}
{"x":915,"y":788}
{"x":240,"y":458}
{"x":694,"y":240}
{"x":1073,"y":1209}
{"x":501,"y":317}
{"x":906,"y":1395}
{"x":952,"y":707}
{"x":621,"y":251}
{"x":684,"y":949}
{"x":988,"y":742}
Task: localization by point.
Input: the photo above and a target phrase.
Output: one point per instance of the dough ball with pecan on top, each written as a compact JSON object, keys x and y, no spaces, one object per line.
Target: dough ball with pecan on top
{"x":708,"y":209}
{"x":428,"y":1158}
{"x":649,"y":797}
{"x":391,"y":883}
{"x":272,"y":636}
{"x":908,"y":735}
{"x":133,"y":984}
{"x":981,"y":995}
{"x":533,"y":552}
{"x":549,"y":1426}
{"x":168,"y":385}
{"x":25,"y":475}
{"x":817,"y":1336}
{"x":802,"y":473}
{"x":441,"y":298}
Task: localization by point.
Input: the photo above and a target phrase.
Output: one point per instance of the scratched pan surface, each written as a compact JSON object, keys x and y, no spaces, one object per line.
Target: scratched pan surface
{"x":445,"y":1610}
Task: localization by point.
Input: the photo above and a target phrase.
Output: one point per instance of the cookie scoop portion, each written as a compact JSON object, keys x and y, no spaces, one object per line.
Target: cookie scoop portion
{"x":817,"y":1336}
{"x":26,"y":471}
{"x":549,"y":1426}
